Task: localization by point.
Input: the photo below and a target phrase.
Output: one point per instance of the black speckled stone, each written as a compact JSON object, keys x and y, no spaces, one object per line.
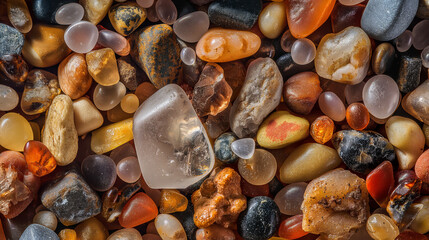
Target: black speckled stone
{"x":401,"y":199}
{"x":222,"y":148}
{"x":186,"y":218}
{"x":71,"y":199}
{"x":409,"y":73}
{"x":38,"y":232}
{"x":260,"y":220}
{"x":289,"y":68}
{"x":11,"y":40}
{"x":235,"y":14}
{"x":362,"y":151}
{"x":44,"y":10}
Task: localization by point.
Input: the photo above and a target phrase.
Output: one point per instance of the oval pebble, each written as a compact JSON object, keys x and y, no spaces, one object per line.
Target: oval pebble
{"x":243,"y":148}
{"x":81,"y":37}
{"x":69,"y":13}
{"x":99,"y":171}
{"x":192,"y":26}
{"x":9,"y":99}
{"x":380,"y":96}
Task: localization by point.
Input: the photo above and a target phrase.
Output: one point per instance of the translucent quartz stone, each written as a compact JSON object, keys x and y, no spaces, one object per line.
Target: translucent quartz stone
{"x":425,"y":57}
{"x":260,"y":169}
{"x":381,"y":227}
{"x":125,"y":234}
{"x":145,"y":3}
{"x":99,"y":171}
{"x":353,"y":93}
{"x":166,"y":11}
{"x":243,"y":148}
{"x":192,"y":26}
{"x":109,"y":137}
{"x":107,"y":97}
{"x":102,"y":66}
{"x":172,"y":145}
{"x":421,"y":35}
{"x":287,"y":41}
{"x":169,"y":227}
{"x":332,"y":106}
{"x":81,"y":37}
{"x":67,"y":234}
{"x":15,"y":131}
{"x":188,"y":55}
{"x":69,"y":13}
{"x":115,"y":41}
{"x":130,"y":103}
{"x":290,"y":198}
{"x":47,"y":219}
{"x":8,"y":98}
{"x":357,"y":116}
{"x":303,"y":51}
{"x":19,"y":15}
{"x":128,"y":169}
{"x":350,"y":2}
{"x":380,"y":96}
{"x":404,"y":41}
{"x":123,"y":151}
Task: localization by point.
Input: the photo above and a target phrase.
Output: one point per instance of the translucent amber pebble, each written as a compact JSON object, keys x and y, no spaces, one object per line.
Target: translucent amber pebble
{"x":322,"y":129}
{"x":19,"y":15}
{"x":332,"y":106}
{"x":272,"y":20}
{"x":14,"y":67}
{"x":130,"y":103}
{"x":138,"y":210}
{"x":40,"y":160}
{"x":107,"y":97}
{"x":125,"y":234}
{"x":81,"y":37}
{"x":102,"y":66}
{"x":73,"y":75}
{"x":67,"y":234}
{"x":172,"y":201}
{"x":224,"y":45}
{"x":15,"y":131}
{"x":380,"y":183}
{"x":9,"y":99}
{"x":215,"y":232}
{"x":115,"y":41}
{"x":401,"y":201}
{"x":260,"y":169}
{"x":169,"y":227}
{"x":112,"y":136}
{"x":291,"y":228}
{"x":381,"y":227}
{"x":305,"y":16}
{"x":114,"y":201}
{"x":128,"y":169}
{"x":91,"y":229}
{"x":357,"y":116}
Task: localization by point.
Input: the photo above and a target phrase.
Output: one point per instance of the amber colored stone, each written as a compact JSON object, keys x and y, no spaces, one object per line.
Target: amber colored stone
{"x":14,"y":68}
{"x":225,"y":45}
{"x":301,"y":92}
{"x":357,"y":116}
{"x":116,"y":114}
{"x":40,"y":160}
{"x":73,"y":76}
{"x":211,"y":93}
{"x":219,"y":200}
{"x":102,"y":66}
{"x":402,"y":198}
{"x":250,"y":190}
{"x":235,"y":74}
{"x":410,"y":235}
{"x":345,"y":16}
{"x":380,"y":183}
{"x":114,"y":201}
{"x":138,"y":210}
{"x":67,"y":234}
{"x":112,"y":136}
{"x":91,"y":229}
{"x":172,"y":201}
{"x":144,"y":91}
{"x":322,"y":129}
{"x":215,"y":232}
{"x":291,"y":228}
{"x":305,"y":16}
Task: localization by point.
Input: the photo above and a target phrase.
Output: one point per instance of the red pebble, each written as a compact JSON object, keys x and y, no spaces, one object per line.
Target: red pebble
{"x":291,"y":228}
{"x":380,"y":183}
{"x":138,"y":210}
{"x":411,"y":235}
{"x":422,"y":167}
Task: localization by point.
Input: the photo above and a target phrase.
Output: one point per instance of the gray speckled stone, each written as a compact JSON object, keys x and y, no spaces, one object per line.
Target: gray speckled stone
{"x":11,"y":40}
{"x":38,"y":232}
{"x":409,"y":73}
{"x":385,"y":20}
{"x":222,"y":148}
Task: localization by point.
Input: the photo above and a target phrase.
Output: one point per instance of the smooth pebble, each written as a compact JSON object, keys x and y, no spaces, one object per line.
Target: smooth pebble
{"x":243,"y":148}
{"x":69,"y":13}
{"x":81,"y":37}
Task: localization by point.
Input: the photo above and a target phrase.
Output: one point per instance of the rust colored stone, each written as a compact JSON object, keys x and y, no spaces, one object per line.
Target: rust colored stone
{"x":301,"y":92}
{"x":40,"y":160}
{"x":73,"y":76}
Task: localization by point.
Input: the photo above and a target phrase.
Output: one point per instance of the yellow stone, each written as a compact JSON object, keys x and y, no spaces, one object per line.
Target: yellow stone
{"x":67,"y":234}
{"x":91,"y":229}
{"x":426,"y":132}
{"x":15,"y":131}
{"x":102,"y":66}
{"x":281,"y":129}
{"x":44,"y":45}
{"x":130,"y":103}
{"x":112,"y":136}
{"x":421,"y":222}
{"x":381,"y":227}
{"x":172,"y":201}
{"x":95,"y":10}
{"x":272,"y":20}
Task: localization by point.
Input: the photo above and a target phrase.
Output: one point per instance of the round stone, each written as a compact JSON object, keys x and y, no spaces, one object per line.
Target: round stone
{"x":69,"y":13}
{"x":260,"y":169}
{"x":303,"y":51}
{"x":15,"y":131}
{"x":332,"y":106}
{"x":107,"y":97}
{"x":128,"y":169}
{"x":99,"y":171}
{"x":404,"y":41}
{"x":166,"y":11}
{"x":192,"y":26}
{"x":222,"y":148}
{"x":421,"y":35}
{"x":8,"y":98}
{"x":380,"y":96}
{"x":145,"y":3}
{"x":188,"y":56}
{"x":81,"y":37}
{"x":47,"y":219}
{"x":244,"y":148}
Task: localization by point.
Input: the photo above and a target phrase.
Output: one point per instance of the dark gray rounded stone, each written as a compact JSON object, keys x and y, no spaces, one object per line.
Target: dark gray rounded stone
{"x":11,"y":40}
{"x":38,"y":232}
{"x":222,"y":148}
{"x":235,"y":14}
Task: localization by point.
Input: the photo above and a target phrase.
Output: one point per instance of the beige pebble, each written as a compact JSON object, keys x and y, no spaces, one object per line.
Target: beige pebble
{"x":86,"y":116}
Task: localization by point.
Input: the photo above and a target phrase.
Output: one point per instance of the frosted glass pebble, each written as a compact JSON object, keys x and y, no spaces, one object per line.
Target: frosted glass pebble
{"x":115,"y":41}
{"x":145,"y":3}
{"x":192,"y":26}
{"x":166,"y":11}
{"x":332,"y":106}
{"x":381,"y":96}
{"x":188,"y":56}
{"x":425,"y":57}
{"x":353,"y":93}
{"x":290,"y":198}
{"x":169,"y":228}
{"x":69,"y":13}
{"x":151,"y":14}
{"x":303,"y":51}
{"x":9,"y":99}
{"x":260,"y":169}
{"x":123,"y":151}
{"x":243,"y":148}
{"x":128,"y":169}
{"x":81,"y":37}
{"x":404,"y":41}
{"x":107,"y":97}
{"x":350,"y":2}
{"x":47,"y":219}
{"x":421,"y":35}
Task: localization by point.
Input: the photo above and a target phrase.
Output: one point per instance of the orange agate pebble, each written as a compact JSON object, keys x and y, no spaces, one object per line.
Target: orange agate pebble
{"x":40,"y":160}
{"x":322,"y":129}
{"x":138,"y":210}
{"x":224,"y":45}
{"x":305,"y":16}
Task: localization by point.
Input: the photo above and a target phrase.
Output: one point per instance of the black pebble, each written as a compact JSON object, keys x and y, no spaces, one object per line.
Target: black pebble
{"x":235,"y":14}
{"x":44,"y":10}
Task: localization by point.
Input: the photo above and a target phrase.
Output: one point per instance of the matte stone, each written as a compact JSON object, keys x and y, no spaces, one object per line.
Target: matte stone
{"x":38,"y":232}
{"x":409,"y":73}
{"x":385,"y":20}
{"x":44,"y":10}
{"x":237,"y":14}
{"x":222,"y":148}
{"x":11,"y":40}
{"x":289,"y":68}
{"x":130,"y":74}
{"x":71,"y":199}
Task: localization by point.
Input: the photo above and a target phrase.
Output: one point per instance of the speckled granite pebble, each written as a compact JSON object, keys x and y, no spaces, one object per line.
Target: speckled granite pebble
{"x":222,"y":148}
{"x":38,"y":232}
{"x":409,"y":73}
{"x":11,"y":40}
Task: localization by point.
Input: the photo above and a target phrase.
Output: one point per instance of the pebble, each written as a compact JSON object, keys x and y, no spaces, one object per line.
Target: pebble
{"x":91,"y":229}
{"x":191,"y":27}
{"x":40,"y":160}
{"x":37,"y":231}
{"x":423,"y":10}
{"x":240,"y":14}
{"x":289,"y":199}
{"x":109,"y":137}
{"x":289,"y":68}
{"x":19,"y":15}
{"x":81,"y":37}
{"x":86,"y":116}
{"x":9,"y":99}
{"x":188,"y":56}
{"x":260,"y":169}
{"x":169,"y":227}
{"x":15,"y":131}
{"x":414,"y":103}
{"x":44,"y":10}
{"x":408,"y":77}
{"x":14,"y":68}
{"x":69,"y":13}
{"x":404,"y":41}
{"x":344,"y":57}
{"x":308,"y":161}
{"x":132,"y":76}
{"x":11,"y":40}
{"x":59,"y":134}
{"x":102,"y":66}
{"x":67,"y":234}
{"x":281,"y":129}
{"x":235,"y":75}
{"x":125,"y":234}
{"x":263,"y":72}
{"x":73,"y":76}
{"x":332,"y":106}
{"x":344,"y":16}
{"x":172,"y":201}
{"x":130,"y":103}
{"x":126,"y":17}
{"x":44,"y":46}
{"x":128,"y":169}
{"x":115,"y":41}
{"x":99,"y":171}
{"x":303,"y":51}
{"x":145,"y":3}
{"x":223,"y":150}
{"x":156,"y":51}
{"x":383,"y":58}
{"x":381,"y":96}
{"x":380,"y":183}
{"x":259,"y":220}
{"x":225,"y":45}
{"x":357,"y":116}
{"x":321,"y":129}
{"x":138,"y":210}
{"x":408,"y":139}
{"x":425,"y":57}
{"x":40,"y":88}
{"x":421,"y":223}
{"x":216,"y":125}
{"x":214,"y":232}
{"x":421,"y":167}
{"x":71,"y":199}
{"x":115,"y":199}
{"x":362,"y":151}
{"x":95,"y":10}
{"x":244,"y":148}
{"x":166,"y":11}
{"x":47,"y":219}
{"x":385,"y":20}
{"x":272,"y":20}
{"x":380,"y":226}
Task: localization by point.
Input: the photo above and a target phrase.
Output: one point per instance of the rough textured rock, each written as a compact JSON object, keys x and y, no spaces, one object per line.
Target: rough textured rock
{"x":11,"y":40}
{"x":126,"y":17}
{"x":130,"y":74}
{"x":409,"y":73}
{"x":37,"y":231}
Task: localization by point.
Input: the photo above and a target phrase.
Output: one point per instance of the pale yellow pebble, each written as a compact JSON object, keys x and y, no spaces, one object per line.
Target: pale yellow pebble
{"x":272,"y":20}
{"x":86,"y":116}
{"x":130,"y":103}
{"x":109,"y":137}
